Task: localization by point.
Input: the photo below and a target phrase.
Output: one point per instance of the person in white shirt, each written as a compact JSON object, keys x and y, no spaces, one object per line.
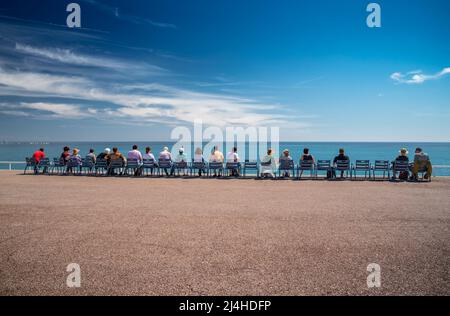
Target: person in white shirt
{"x":148,"y":154}
{"x":232,"y":156}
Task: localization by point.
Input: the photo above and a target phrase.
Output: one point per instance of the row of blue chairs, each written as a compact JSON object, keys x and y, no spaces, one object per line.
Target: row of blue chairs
{"x":151,"y":167}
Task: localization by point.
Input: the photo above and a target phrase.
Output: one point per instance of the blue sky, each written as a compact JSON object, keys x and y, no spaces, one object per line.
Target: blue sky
{"x":136,"y":69}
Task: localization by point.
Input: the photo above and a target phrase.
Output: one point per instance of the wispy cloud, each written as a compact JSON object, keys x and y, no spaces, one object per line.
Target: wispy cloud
{"x":115,"y":11}
{"x":417,"y":76}
{"x":145,"y":102}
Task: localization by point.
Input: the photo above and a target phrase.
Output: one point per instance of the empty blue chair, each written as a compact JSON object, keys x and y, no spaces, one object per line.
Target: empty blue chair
{"x":30,"y":163}
{"x":362,"y":166}
{"x":45,"y":165}
{"x":250,"y":165}
{"x":305,"y":165}
{"x":381,"y":166}
{"x":323,"y":165}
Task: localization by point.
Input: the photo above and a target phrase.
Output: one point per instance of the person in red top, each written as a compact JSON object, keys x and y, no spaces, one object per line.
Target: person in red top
{"x":37,"y":156}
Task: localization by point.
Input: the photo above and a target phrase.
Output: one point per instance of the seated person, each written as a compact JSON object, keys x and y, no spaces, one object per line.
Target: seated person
{"x":181,"y":157}
{"x":91,"y":155}
{"x":233,"y":156}
{"x":116,"y":155}
{"x":148,"y":154}
{"x":135,"y":155}
{"x":268,"y":166}
{"x":341,"y":157}
{"x":421,"y":163}
{"x":284,"y":160}
{"x":37,"y":156}
{"x":165,"y":154}
{"x":198,"y":157}
{"x":403,"y":156}
{"x":306,"y":157}
{"x":216,"y":156}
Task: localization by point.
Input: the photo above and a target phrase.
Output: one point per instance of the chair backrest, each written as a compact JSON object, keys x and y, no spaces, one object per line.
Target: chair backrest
{"x":116,"y":163}
{"x":88,"y":162}
{"x":198,"y":165}
{"x":215,"y":165}
{"x":343,"y":164}
{"x":306,"y":164}
{"x":400,"y":165}
{"x":266,"y":163}
{"x":44,"y":162}
{"x":250,"y":164}
{"x":73,"y":162}
{"x":323,"y":164}
{"x":30,"y":161}
{"x":101,"y":163}
{"x":232,"y":165}
{"x":362,"y":164}
{"x":132,"y":163}
{"x":148,"y":163}
{"x":381,"y":165}
{"x":164,"y":163}
{"x":286,"y":164}
{"x":181,"y":165}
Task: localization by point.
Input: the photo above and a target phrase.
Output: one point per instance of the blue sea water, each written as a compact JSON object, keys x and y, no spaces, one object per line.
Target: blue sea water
{"x":438,"y":152}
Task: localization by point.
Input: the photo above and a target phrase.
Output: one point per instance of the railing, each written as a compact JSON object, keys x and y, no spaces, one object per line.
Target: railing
{"x":11,"y":163}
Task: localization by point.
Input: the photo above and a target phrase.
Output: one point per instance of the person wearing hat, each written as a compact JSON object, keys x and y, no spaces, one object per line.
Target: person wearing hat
{"x":181,"y":157}
{"x":104,"y":155}
{"x":403,"y":157}
{"x":284,"y":159}
{"x":421,"y":163}
{"x":165,"y":155}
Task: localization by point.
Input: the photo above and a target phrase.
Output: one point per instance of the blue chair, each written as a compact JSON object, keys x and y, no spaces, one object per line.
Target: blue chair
{"x":362,"y":165}
{"x":344,"y":167}
{"x":73,"y":164}
{"x":164,"y":164}
{"x":178,"y":166}
{"x":101,"y":166}
{"x":198,"y":166}
{"x":148,"y":164}
{"x":323,"y":165}
{"x":216,"y":167}
{"x":286,"y":166}
{"x":399,"y":166}
{"x":232,"y":167}
{"x":30,"y":163}
{"x":58,"y":166}
{"x":305,"y":165}
{"x":45,"y":165}
{"x":87,"y":165}
{"x":133,"y":164}
{"x":381,"y":166}
{"x":117,"y":164}
{"x":250,"y":165}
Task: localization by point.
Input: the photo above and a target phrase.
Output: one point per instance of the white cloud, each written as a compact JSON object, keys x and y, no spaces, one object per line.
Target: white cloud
{"x":67,"y":56}
{"x":417,"y":76}
{"x":151,"y":103}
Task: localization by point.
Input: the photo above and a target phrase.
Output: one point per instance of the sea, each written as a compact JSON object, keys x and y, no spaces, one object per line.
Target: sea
{"x":439,"y":152}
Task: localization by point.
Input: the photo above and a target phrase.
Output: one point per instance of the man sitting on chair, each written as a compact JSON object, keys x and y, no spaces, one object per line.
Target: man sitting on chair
{"x":421,"y":163}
